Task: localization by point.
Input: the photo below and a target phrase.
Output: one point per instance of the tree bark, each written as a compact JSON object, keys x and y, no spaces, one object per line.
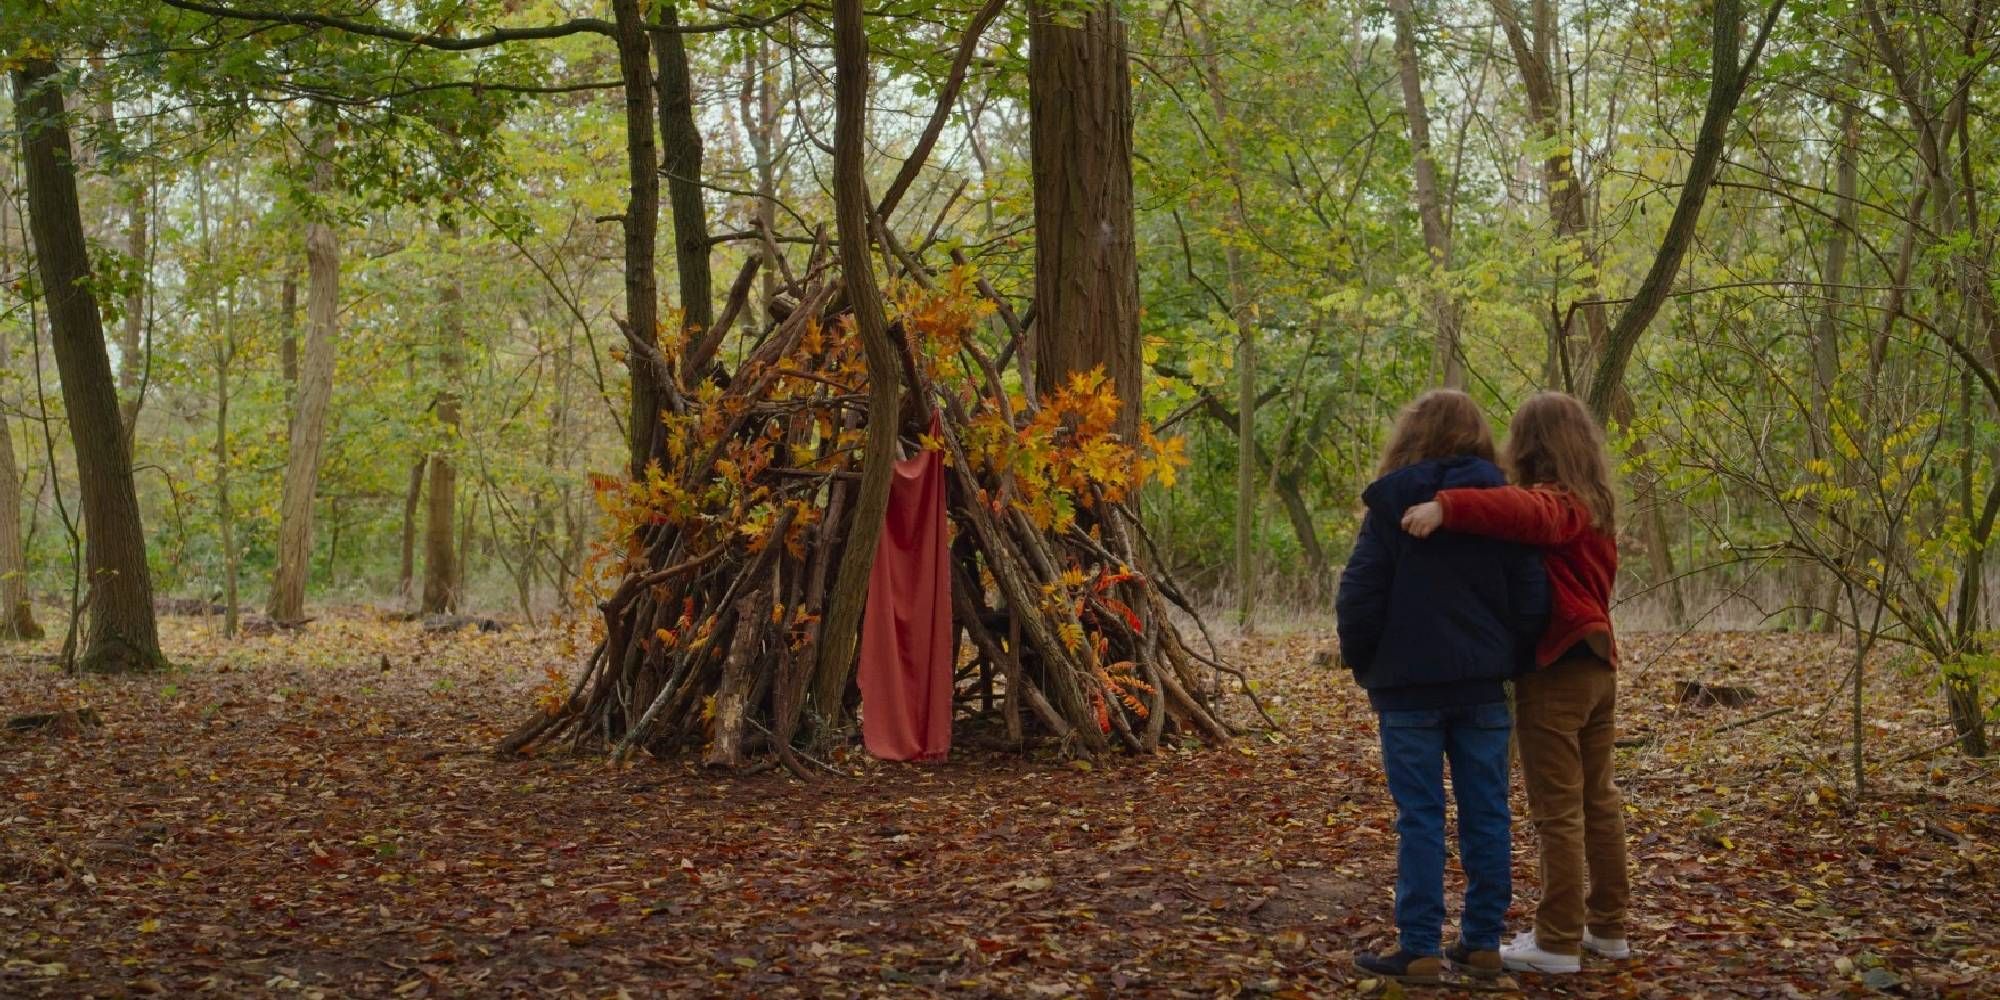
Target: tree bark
{"x":441,"y":576}
{"x":1728,"y":76}
{"x":122,"y":634}
{"x":680,"y":148}
{"x":840,"y":635}
{"x":315,"y":394}
{"x":17,"y":613}
{"x":642,"y":222}
{"x":1430,"y":204}
{"x":1086,"y":264}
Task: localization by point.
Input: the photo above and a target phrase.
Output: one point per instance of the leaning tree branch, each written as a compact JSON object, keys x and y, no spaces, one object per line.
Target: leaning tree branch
{"x":1728,"y":77}
{"x":948,"y":96}
{"x":450,"y":43}
{"x":467,"y":43}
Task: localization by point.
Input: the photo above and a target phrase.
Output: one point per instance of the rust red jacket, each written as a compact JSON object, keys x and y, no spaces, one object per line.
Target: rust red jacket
{"x":1582,"y":562}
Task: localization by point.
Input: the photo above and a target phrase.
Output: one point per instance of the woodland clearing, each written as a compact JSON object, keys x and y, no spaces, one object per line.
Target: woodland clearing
{"x":318,"y":813}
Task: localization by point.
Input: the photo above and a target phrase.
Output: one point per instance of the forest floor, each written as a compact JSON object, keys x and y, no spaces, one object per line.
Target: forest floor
{"x":316,"y":815}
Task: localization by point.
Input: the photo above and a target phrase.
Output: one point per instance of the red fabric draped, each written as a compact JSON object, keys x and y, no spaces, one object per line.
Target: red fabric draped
{"x":906,"y":670}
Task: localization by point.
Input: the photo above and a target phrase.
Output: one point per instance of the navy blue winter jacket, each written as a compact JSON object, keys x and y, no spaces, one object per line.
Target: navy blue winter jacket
{"x":1441,"y":621}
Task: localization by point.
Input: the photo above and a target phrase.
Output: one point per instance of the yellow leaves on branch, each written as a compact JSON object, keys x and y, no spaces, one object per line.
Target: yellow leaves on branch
{"x":1069,"y":450}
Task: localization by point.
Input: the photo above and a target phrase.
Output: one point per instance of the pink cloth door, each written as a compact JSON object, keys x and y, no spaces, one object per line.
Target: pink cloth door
{"x":906,"y":669}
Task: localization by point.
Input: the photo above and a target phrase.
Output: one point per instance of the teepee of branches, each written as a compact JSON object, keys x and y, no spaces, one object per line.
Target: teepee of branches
{"x":717,"y":564}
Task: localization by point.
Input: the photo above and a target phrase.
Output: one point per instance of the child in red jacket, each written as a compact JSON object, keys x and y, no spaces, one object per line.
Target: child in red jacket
{"x":1566,"y":711}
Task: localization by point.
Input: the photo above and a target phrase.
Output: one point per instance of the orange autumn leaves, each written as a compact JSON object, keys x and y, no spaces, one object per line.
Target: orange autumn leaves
{"x":1069,"y":450}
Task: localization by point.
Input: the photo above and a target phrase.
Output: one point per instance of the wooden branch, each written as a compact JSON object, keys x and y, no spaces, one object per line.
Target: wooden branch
{"x":968,"y":43}
{"x":449,"y":43}
{"x":702,"y":352}
{"x":466,"y":43}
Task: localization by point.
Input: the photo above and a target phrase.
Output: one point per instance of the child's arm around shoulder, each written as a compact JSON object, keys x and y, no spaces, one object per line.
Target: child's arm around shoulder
{"x":1536,"y":515}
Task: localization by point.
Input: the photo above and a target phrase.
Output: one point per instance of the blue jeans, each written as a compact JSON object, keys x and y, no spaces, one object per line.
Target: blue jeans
{"x":1415,"y":745}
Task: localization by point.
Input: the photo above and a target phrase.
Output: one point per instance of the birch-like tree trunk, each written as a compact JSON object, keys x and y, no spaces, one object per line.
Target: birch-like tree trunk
{"x":315,"y":394}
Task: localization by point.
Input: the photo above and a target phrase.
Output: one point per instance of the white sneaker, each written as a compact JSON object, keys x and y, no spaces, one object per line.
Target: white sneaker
{"x":1523,"y":955}
{"x":1605,"y":947}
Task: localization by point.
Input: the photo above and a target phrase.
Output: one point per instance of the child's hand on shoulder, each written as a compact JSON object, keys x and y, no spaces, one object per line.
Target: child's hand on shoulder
{"x":1423,"y":518}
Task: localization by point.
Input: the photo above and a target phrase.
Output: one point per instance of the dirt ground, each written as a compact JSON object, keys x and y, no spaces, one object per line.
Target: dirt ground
{"x":316,"y":815}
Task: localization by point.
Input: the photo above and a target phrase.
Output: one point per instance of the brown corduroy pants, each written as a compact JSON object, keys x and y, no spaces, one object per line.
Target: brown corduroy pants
{"x":1566,"y":721}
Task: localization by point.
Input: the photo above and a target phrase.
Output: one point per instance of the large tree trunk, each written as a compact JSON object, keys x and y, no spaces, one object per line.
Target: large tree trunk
{"x":441,"y":578}
{"x":642,"y":224}
{"x":1080,"y":137}
{"x":841,"y":633}
{"x":1728,"y":76}
{"x":680,"y":149}
{"x":1430,"y":203}
{"x":122,"y":634}
{"x":315,"y":393}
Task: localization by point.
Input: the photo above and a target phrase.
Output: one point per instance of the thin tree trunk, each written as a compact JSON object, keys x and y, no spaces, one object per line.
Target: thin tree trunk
{"x":406,"y":578}
{"x":288,"y":345}
{"x":840,"y":635}
{"x":1430,"y":204}
{"x":225,"y":355}
{"x":122,"y":634}
{"x":1826,"y":335}
{"x":1242,"y":315}
{"x":225,"y":514}
{"x":315,"y":394}
{"x":17,"y":613}
{"x":761,"y":124}
{"x":468,"y":526}
{"x":680,"y":149}
{"x":642,"y":222}
{"x":441,"y":576}
{"x":1086,"y":264}
{"x":131,"y":352}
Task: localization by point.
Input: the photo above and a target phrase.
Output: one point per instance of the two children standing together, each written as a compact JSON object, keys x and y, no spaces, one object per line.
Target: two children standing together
{"x":1459,"y":583}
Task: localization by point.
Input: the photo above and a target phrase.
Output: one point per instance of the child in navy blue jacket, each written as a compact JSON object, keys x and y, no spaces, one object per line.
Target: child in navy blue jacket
{"x":1433,"y":628}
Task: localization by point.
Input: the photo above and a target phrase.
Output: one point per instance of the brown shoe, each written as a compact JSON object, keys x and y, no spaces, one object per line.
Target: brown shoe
{"x":1479,"y":964}
{"x":1403,"y":967}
